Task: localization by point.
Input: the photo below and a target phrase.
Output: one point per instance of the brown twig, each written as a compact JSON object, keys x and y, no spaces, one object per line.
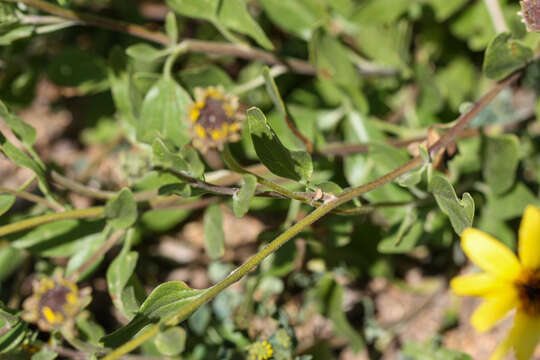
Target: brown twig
{"x":190,"y":45}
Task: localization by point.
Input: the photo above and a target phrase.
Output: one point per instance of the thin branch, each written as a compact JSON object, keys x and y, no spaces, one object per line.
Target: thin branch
{"x":47,"y":218}
{"x":31,"y":197}
{"x":191,"y":45}
{"x":312,"y":217}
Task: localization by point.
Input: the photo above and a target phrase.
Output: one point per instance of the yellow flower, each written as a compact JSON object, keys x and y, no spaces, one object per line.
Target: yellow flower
{"x":215,"y":118}
{"x":260,"y":350}
{"x":55,"y":303}
{"x":507,"y":283}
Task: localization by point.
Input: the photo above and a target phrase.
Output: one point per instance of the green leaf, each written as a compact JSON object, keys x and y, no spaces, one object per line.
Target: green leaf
{"x":44,"y":354}
{"x":165,"y":300}
{"x":6,"y":201}
{"x":19,"y":32}
{"x":204,"y":76}
{"x":92,"y":244}
{"x":273,"y":91}
{"x":405,"y":238}
{"x":511,"y":204}
{"x":125,"y":95}
{"x":501,"y":159}
{"x":214,"y":237}
{"x":331,"y":294}
{"x":505,"y":55}
{"x":118,"y":275}
{"x":234,"y":15}
{"x":163,"y":157}
{"x":242,"y":197}
{"x":24,"y":132}
{"x":164,"y":112}
{"x":331,"y":59}
{"x":121,"y":210}
{"x":78,"y":68}
{"x":199,"y":9}
{"x":160,"y":220}
{"x":460,"y":212}
{"x":58,"y":239}
{"x":298,"y":17}
{"x":171,"y":341}
{"x":10,"y":259}
{"x":171,"y":27}
{"x":20,"y":158}
{"x":295,"y":165}
{"x":13,"y":337}
{"x":431,"y":351}
{"x":145,"y":52}
{"x":380,"y":11}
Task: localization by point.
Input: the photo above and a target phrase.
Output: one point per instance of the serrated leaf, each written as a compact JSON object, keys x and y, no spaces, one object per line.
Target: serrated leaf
{"x":234,"y":15}
{"x":145,"y":52}
{"x":501,"y":159}
{"x":505,"y":55}
{"x":295,"y":165}
{"x":171,"y":341}
{"x":460,"y":212}
{"x":121,"y":210}
{"x":164,"y":301}
{"x":242,"y":197}
{"x":164,"y":113}
{"x":214,"y":236}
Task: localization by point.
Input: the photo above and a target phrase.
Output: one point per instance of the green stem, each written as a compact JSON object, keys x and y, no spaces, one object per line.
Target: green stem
{"x":233,"y":165}
{"x":47,"y":218}
{"x":315,"y":215}
{"x":178,"y":50}
{"x":31,"y":197}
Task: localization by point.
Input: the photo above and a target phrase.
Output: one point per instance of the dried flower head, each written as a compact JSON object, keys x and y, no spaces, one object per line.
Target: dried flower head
{"x":55,"y":303}
{"x":215,"y":118}
{"x":260,"y":350}
{"x":530,"y":11}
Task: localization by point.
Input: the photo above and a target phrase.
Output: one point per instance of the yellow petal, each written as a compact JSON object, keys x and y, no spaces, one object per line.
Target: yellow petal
{"x":524,"y":335}
{"x":489,"y":254}
{"x":503,"y":348}
{"x":494,"y":308}
{"x":529,"y":238}
{"x":476,"y":284}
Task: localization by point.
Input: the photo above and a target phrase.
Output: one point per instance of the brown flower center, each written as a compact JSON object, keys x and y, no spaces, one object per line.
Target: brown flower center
{"x":528,"y":287}
{"x":56,"y":300}
{"x":213,"y":115}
